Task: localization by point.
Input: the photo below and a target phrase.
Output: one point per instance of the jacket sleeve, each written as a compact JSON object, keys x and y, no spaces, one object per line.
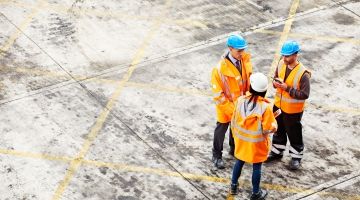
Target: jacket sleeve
{"x":304,"y":91}
{"x":216,"y":87}
{"x":224,"y":104}
{"x":269,"y":123}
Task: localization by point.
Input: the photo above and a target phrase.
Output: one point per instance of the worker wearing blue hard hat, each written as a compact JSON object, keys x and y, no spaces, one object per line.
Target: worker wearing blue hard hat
{"x":289,"y":48}
{"x":292,"y":83}
{"x":236,"y":42}
{"x":229,"y":80}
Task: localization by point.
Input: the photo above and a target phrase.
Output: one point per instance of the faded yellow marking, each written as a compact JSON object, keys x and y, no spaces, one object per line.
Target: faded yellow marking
{"x":75,"y":164}
{"x":113,"y":14}
{"x":170,"y":89}
{"x":229,"y":196}
{"x":24,"y":154}
{"x":242,"y":183}
{"x":25,"y":23}
{"x":55,"y":74}
{"x":163,"y":172}
{"x":158,"y":87}
{"x":283,"y":37}
{"x":310,"y":36}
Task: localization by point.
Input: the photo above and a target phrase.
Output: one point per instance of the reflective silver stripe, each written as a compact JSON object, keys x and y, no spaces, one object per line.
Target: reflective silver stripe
{"x":248,"y":139}
{"x":279,"y":146}
{"x":292,"y":150}
{"x":257,"y":132}
{"x":239,"y":102}
{"x":289,"y":100}
{"x":297,"y":76}
{"x":226,"y":89}
{"x":268,"y":132}
{"x":259,"y":108}
{"x":220,"y":101}
{"x":295,"y":155}
{"x":275,"y":150}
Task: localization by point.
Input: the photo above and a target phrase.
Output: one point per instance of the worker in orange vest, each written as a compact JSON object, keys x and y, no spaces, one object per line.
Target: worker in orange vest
{"x":292,"y":83}
{"x":229,"y":80}
{"x":251,"y":124}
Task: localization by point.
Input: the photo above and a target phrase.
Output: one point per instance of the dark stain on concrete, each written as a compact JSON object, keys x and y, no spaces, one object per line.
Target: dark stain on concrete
{"x":343,"y":19}
{"x":118,"y":180}
{"x":174,"y":192}
{"x":355,"y":152}
{"x":125,"y":198}
{"x":348,"y":67}
{"x":61,"y":31}
{"x":103,"y":170}
{"x":88,"y":179}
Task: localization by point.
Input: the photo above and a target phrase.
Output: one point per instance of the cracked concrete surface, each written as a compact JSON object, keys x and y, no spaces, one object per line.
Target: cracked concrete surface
{"x":62,"y":62}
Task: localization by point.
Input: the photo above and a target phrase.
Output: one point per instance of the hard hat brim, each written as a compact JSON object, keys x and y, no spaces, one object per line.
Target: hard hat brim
{"x":239,"y":47}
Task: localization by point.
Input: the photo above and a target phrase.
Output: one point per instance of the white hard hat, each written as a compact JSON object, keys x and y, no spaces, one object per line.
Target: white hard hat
{"x":259,"y":82}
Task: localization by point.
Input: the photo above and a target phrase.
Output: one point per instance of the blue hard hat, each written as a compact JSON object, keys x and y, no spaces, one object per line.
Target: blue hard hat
{"x":290,"y":47}
{"x":236,"y":42}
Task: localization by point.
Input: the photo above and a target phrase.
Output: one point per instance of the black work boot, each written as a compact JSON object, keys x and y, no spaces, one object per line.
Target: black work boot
{"x":234,"y":189}
{"x":261,"y":195}
{"x":218,"y":163}
{"x":294,"y":164}
{"x":274,"y":156}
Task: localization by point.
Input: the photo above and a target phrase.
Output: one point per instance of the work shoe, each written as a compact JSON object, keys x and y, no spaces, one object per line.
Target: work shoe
{"x":294,"y":164}
{"x":218,"y":163}
{"x":259,"y":196}
{"x":274,"y":156}
{"x":234,"y":189}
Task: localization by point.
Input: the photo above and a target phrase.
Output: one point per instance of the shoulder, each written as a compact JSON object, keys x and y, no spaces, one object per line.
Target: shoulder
{"x":306,"y":70}
{"x":246,"y":56}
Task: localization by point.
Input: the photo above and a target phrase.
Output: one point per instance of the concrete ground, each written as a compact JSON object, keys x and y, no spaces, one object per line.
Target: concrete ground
{"x":111,"y":99}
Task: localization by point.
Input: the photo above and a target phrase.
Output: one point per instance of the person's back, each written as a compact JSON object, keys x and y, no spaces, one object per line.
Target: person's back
{"x":251,"y":118}
{"x":251,"y":124}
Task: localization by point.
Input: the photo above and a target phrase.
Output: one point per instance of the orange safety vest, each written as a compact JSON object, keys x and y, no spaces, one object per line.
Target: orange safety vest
{"x":283,"y":100}
{"x":251,"y":129}
{"x":228,"y":85}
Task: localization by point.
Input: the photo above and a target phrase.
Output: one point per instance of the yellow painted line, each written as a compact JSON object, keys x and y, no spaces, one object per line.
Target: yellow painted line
{"x":336,"y":109}
{"x":112,"y":14}
{"x":242,"y":183}
{"x":162,"y":172}
{"x":54,"y":74}
{"x":169,"y":88}
{"x":283,"y":37}
{"x":310,"y":36}
{"x":75,"y":164}
{"x":6,"y":46}
{"x":24,"y":154}
{"x":158,"y":87}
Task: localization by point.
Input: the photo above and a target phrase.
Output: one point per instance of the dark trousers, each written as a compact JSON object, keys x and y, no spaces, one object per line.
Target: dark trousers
{"x":256,"y":174}
{"x":289,"y":126}
{"x":219,"y":135}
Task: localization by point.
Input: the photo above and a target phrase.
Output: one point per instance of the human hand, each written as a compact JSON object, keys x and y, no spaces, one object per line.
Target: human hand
{"x":279,"y":84}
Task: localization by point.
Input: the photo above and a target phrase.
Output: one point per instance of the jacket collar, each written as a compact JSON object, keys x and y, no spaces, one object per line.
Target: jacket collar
{"x":229,"y":69}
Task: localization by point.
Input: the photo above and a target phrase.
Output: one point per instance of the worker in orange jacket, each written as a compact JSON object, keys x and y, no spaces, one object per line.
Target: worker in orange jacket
{"x":251,"y":124}
{"x":229,"y":80}
{"x":292,"y":83}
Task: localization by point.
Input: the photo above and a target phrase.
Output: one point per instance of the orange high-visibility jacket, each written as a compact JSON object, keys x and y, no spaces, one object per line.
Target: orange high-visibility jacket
{"x":228,"y":85}
{"x":251,"y":128}
{"x":283,"y":100}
